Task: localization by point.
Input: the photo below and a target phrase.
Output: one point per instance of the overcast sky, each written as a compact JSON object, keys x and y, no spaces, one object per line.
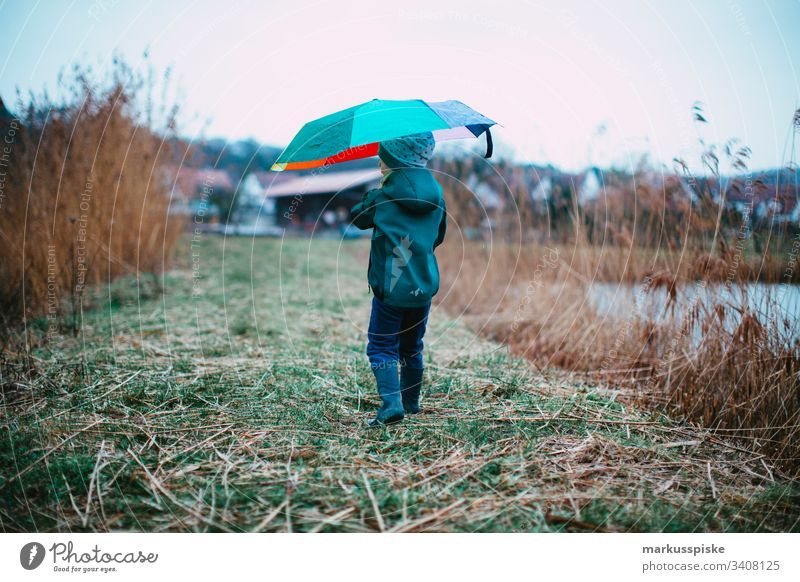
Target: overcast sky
{"x":572,"y":83}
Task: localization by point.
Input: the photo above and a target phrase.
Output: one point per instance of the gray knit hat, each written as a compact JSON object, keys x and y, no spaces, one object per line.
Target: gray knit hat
{"x":409,"y":151}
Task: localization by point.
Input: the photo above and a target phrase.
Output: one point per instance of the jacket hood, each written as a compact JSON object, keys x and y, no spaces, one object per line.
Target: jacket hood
{"x":405,"y":190}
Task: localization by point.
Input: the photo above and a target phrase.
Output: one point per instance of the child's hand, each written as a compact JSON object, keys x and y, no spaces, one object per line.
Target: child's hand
{"x":362,"y":213}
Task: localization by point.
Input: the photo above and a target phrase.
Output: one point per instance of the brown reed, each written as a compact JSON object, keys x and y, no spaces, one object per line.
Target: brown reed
{"x":87,"y":194}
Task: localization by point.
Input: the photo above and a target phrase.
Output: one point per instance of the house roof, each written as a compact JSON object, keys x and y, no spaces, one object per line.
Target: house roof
{"x":270,"y":179}
{"x":323,"y":183}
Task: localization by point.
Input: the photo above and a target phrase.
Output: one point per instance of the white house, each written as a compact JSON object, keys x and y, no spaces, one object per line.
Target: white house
{"x":255,"y":210}
{"x":543,"y":190}
{"x":590,"y":186}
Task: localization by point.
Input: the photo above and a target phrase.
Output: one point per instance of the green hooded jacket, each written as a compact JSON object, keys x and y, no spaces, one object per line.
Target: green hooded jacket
{"x":408,"y":217}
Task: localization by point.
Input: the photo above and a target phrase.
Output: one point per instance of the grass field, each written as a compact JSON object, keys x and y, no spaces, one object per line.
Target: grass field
{"x":232,"y":395}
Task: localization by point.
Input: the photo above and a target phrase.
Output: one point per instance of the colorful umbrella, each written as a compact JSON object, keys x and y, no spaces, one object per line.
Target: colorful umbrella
{"x":355,"y":133}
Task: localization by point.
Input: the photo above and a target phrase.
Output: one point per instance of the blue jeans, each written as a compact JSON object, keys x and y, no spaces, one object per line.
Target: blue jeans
{"x":395,"y":334}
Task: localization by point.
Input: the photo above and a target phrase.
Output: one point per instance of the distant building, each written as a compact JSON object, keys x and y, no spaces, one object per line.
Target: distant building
{"x":255,"y":211}
{"x":319,"y":201}
{"x":194,"y":189}
{"x":586,"y":187}
{"x":590,"y":185}
{"x":542,"y":190}
{"x":770,"y":195}
{"x":486,"y":194}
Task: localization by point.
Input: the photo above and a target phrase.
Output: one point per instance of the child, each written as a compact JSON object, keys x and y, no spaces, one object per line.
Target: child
{"x":408,"y":217}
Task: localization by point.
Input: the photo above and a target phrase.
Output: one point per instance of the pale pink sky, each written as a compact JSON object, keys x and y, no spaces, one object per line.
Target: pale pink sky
{"x":551,"y":73}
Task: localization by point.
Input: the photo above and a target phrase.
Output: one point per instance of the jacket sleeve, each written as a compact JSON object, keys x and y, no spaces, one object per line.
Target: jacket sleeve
{"x":442,"y":226}
{"x":363,"y":213}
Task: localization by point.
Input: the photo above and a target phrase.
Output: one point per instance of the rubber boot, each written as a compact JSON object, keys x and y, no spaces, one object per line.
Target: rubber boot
{"x":410,"y":388}
{"x":391,"y":410}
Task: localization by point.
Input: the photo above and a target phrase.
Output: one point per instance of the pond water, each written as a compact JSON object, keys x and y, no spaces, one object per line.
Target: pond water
{"x":780,"y":303}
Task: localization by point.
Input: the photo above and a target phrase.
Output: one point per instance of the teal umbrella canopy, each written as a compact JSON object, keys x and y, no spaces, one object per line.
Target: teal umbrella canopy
{"x":356,"y":132}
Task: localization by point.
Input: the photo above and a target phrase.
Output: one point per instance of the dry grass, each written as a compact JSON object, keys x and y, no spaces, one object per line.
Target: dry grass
{"x":699,"y":350}
{"x":87,"y":195}
{"x":242,"y":407}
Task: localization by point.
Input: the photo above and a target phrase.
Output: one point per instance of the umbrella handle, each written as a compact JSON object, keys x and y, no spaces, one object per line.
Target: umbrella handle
{"x":489,"y":144}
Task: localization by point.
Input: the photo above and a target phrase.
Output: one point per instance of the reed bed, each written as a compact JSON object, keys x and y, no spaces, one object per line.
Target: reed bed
{"x":87,"y":194}
{"x":693,"y":347}
{"x":689,"y":339}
